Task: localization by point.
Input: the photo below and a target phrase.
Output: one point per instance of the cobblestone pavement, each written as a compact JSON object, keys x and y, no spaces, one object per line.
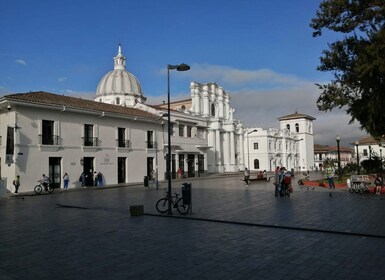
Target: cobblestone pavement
{"x":234,"y":232}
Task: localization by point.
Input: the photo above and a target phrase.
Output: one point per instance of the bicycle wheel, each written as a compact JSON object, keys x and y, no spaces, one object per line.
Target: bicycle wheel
{"x":38,"y":189}
{"x":181,"y":207}
{"x":50,"y":189}
{"x":162,"y":205}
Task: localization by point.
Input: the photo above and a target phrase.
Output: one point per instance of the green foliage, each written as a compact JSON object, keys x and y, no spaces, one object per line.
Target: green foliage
{"x":372,"y":166}
{"x":357,"y":61}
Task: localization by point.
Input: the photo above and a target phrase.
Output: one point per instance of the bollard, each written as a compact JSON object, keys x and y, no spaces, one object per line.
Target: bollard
{"x":137,"y":210}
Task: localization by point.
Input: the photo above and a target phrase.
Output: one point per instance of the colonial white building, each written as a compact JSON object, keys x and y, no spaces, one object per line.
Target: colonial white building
{"x":368,"y":147}
{"x":290,"y":146}
{"x":126,"y":139}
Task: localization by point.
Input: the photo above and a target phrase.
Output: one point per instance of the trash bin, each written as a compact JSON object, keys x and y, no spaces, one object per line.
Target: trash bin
{"x":145,"y":181}
{"x":186,"y":193}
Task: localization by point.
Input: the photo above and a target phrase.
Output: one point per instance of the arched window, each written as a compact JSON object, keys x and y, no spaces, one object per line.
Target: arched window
{"x":256,"y":164}
{"x":212,"y":110}
{"x":183,"y":108}
{"x":288,"y":127}
{"x":296,"y":127}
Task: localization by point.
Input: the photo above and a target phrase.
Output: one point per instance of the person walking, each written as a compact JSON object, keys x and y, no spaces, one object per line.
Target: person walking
{"x":378,"y":182}
{"x":276,"y":181}
{"x":95,"y":178}
{"x":330,"y":176}
{"x":16,"y":183}
{"x":247,"y":176}
{"x":66,"y":180}
{"x":82,"y":179}
{"x":100,"y":179}
{"x":154,"y":178}
{"x":281,"y":183}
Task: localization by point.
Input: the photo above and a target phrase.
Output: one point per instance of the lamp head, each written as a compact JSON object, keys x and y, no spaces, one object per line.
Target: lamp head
{"x":338,"y":138}
{"x":180,"y":67}
{"x":9,"y":107}
{"x":183,"y":67}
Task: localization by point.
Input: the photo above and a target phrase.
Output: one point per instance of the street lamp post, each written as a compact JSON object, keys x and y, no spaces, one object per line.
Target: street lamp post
{"x":180,"y":67}
{"x":338,"y":154}
{"x":358,"y":157}
{"x":248,"y":152}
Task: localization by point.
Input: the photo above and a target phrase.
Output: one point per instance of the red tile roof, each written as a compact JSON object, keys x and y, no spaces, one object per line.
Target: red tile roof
{"x":296,"y":116}
{"x":46,"y":98}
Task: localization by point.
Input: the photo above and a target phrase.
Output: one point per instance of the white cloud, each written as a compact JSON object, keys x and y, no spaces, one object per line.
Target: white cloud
{"x":21,"y":61}
{"x":230,"y":76}
{"x":62,"y":79}
{"x":260,"y":96}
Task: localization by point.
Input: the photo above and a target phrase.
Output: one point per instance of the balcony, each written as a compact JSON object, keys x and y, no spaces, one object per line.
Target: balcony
{"x":48,"y":142}
{"x":123,"y":143}
{"x":90,"y":141}
{"x":90,"y":144}
{"x":48,"y":139}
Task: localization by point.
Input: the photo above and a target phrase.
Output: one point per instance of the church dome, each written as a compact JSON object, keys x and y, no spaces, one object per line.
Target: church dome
{"x":119,"y":86}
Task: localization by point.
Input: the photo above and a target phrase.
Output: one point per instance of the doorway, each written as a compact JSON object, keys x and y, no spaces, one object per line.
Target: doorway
{"x":54,"y":171}
{"x":150,"y":166}
{"x":88,"y":169}
{"x":121,"y":170}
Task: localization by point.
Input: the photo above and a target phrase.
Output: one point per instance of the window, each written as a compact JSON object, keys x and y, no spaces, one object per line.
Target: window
{"x":181,"y":130}
{"x":212,"y":110}
{"x":150,"y":140}
{"x":88,"y":135}
{"x":256,"y":164}
{"x":255,"y":146}
{"x":365,"y":152}
{"x":47,"y":130}
{"x":10,"y":147}
{"x":296,"y":127}
{"x":189,"y":128}
{"x":117,"y":101}
{"x":122,"y":143}
{"x":288,"y":127}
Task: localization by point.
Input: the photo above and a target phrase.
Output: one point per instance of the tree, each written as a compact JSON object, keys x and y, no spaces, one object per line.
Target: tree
{"x":357,"y":61}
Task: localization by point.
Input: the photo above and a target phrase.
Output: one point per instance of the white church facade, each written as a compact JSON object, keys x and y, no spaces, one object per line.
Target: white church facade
{"x":125,"y":139}
{"x":291,"y":146}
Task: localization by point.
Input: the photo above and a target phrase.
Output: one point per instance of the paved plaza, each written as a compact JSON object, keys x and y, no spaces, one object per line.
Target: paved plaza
{"x":234,"y":232}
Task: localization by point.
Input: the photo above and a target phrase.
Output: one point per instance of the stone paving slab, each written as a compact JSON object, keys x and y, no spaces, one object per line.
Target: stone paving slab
{"x":40,"y":240}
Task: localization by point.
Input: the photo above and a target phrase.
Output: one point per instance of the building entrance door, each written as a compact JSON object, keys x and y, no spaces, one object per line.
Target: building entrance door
{"x":88,"y":169}
{"x":54,"y":172}
{"x":121,"y":170}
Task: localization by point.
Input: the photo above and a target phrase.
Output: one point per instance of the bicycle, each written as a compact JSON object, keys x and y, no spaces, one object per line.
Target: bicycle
{"x":39,"y":188}
{"x":176,"y":202}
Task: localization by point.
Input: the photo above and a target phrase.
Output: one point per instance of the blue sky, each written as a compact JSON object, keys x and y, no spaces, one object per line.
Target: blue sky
{"x":262,"y":52}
